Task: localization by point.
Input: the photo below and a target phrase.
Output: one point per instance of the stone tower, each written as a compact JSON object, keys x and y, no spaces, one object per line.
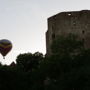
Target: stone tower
{"x":76,"y":22}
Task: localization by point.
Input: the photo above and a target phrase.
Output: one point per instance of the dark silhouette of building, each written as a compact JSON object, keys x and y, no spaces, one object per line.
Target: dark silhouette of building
{"x":75,"y":22}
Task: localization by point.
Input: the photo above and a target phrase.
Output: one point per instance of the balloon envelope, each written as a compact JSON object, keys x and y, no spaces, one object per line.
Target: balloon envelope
{"x":5,"y":46}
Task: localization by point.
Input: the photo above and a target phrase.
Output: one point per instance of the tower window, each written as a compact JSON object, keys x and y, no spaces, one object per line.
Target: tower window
{"x":83,"y":32}
{"x":69,"y":14}
{"x":53,"y":36}
{"x":83,"y":40}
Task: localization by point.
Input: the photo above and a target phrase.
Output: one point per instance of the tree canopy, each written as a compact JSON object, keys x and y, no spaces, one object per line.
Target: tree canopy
{"x":66,"y":69}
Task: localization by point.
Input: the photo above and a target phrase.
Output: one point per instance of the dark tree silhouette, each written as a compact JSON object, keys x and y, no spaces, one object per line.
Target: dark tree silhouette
{"x":66,"y":69}
{"x":29,"y":61}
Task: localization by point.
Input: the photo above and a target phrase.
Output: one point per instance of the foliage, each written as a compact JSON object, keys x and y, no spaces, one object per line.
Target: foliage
{"x":67,"y":69}
{"x":10,"y":78}
{"x":29,"y":61}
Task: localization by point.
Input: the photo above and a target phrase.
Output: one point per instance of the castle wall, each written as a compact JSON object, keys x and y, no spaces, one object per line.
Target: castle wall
{"x":77,"y":22}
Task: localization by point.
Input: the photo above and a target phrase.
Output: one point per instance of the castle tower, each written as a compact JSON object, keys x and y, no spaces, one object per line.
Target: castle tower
{"x":75,"y":22}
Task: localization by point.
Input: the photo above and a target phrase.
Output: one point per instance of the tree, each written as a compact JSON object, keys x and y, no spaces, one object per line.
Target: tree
{"x":29,"y":61}
{"x":67,"y":68}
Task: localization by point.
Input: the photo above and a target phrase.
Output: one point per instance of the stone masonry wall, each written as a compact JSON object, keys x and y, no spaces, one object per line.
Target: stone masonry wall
{"x":76,"y":22}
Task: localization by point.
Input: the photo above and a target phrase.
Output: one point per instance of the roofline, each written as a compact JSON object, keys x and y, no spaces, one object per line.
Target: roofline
{"x":68,"y":12}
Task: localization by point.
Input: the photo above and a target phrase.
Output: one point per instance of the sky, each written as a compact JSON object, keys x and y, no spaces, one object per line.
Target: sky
{"x":24,"y":23}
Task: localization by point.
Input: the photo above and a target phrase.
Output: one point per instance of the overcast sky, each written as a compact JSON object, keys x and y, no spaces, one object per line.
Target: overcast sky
{"x":24,"y":22}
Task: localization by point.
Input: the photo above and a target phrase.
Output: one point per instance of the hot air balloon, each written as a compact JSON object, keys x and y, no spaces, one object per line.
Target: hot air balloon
{"x":5,"y":47}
